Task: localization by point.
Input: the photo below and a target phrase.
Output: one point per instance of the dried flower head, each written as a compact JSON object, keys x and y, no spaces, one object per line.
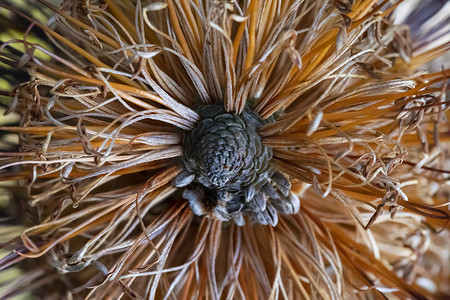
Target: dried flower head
{"x":227,"y":169}
{"x":165,"y":148}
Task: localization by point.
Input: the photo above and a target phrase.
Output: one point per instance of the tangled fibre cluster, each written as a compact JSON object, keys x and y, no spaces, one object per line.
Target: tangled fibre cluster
{"x":214,"y":149}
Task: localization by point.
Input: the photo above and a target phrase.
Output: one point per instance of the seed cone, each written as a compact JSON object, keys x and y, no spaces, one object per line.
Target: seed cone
{"x":165,"y":147}
{"x":226,"y":159}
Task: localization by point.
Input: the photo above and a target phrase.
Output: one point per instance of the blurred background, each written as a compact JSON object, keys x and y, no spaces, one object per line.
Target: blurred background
{"x":12,"y":27}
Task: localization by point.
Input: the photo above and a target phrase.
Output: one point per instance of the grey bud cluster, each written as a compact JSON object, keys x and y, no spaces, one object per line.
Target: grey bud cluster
{"x":226,"y":169}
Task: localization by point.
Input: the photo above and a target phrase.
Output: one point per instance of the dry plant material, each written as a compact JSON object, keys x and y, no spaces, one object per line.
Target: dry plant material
{"x":214,"y":149}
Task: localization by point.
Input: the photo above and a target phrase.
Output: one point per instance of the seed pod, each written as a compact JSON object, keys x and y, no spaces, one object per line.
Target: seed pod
{"x":227,"y":173}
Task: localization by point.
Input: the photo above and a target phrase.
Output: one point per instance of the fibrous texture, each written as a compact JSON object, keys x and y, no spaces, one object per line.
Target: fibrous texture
{"x":138,"y":173}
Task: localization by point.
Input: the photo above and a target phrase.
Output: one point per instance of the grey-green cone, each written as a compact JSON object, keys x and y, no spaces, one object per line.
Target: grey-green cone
{"x":227,"y":173}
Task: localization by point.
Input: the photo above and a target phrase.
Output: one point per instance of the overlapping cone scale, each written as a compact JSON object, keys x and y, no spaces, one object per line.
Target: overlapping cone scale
{"x":227,"y":172}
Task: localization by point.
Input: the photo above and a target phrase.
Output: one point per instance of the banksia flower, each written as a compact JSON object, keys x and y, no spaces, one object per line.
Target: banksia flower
{"x":229,"y":150}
